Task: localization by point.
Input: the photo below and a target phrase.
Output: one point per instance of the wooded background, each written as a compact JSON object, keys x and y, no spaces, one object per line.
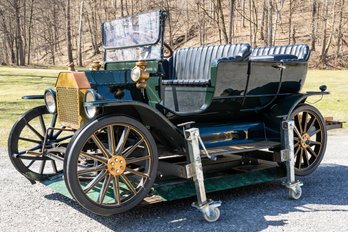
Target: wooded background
{"x":36,"y":32}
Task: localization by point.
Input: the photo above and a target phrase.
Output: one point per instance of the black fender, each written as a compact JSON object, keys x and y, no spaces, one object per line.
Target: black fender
{"x":283,"y":107}
{"x":281,"y":110}
{"x":149,"y":116}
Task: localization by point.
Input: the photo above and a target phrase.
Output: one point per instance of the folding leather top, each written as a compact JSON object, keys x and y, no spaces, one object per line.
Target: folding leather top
{"x":301,"y":51}
{"x":194,"y":63}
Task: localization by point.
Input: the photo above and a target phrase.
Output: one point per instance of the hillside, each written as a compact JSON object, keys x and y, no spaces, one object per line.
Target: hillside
{"x":36,"y":32}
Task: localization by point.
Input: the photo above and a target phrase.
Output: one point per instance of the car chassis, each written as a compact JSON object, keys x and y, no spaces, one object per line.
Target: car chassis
{"x":224,"y":116}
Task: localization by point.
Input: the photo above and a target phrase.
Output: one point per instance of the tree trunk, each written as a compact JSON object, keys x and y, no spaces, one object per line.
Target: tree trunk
{"x":29,"y":30}
{"x":80,"y":35}
{"x":339,"y":32}
{"x":270,"y":23}
{"x":324,"y":39}
{"x":231,"y":28}
{"x":20,"y":59}
{"x":332,"y":28}
{"x":68,"y":32}
{"x":256,"y":23}
{"x":222,"y":19}
{"x":314,"y":24}
{"x":263,"y":21}
{"x":290,"y":21}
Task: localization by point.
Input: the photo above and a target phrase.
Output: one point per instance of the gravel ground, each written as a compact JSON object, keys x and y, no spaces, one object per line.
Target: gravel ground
{"x":323,"y":206}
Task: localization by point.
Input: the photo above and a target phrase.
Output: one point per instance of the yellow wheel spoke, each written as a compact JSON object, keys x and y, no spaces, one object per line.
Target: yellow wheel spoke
{"x":94,"y":157}
{"x":104,"y":189}
{"x":314,"y":143}
{"x":117,"y":190}
{"x":111,"y":138}
{"x":101,"y":146}
{"x":128,"y":183}
{"x":305,"y":158}
{"x":130,"y":151}
{"x":300,"y":160}
{"x":92,"y":169}
{"x":310,"y":150}
{"x":304,"y":121}
{"x":123,"y":140}
{"x":94,"y":182}
{"x":136,"y":173}
{"x":135,"y":160}
{"x":299,"y":124}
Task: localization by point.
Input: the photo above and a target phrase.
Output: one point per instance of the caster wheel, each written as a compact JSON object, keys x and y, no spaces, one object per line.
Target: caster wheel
{"x":214,"y":215}
{"x":295,"y":194}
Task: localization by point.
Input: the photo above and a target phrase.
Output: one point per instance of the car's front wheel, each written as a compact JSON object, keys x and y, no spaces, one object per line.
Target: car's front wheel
{"x":111,"y":164}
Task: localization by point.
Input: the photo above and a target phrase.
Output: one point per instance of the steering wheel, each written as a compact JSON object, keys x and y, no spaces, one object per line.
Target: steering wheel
{"x":168,"y":51}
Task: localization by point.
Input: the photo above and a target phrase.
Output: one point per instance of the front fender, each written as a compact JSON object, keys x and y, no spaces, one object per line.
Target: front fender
{"x":148,"y":116}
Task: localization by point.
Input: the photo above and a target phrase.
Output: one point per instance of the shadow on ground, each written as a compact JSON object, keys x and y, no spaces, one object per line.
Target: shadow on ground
{"x":245,"y":209}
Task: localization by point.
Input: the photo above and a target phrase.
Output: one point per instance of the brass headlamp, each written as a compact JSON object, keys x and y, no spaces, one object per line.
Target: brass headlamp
{"x":139,"y":74}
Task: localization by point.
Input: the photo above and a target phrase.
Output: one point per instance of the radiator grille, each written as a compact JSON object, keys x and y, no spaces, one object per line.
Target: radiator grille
{"x":68,"y":106}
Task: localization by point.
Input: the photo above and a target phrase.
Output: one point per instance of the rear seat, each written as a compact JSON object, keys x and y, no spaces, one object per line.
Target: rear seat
{"x":293,"y":52}
{"x":191,"y":66}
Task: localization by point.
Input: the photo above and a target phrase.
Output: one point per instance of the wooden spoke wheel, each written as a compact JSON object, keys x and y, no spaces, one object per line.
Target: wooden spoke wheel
{"x":111,"y":164}
{"x":310,"y":139}
{"x":25,"y":144}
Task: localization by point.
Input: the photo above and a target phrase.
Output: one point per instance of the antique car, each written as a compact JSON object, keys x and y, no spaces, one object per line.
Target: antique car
{"x":153,"y":119}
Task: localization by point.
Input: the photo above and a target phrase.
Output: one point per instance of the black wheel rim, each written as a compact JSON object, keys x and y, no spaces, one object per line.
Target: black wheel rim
{"x":114,"y":165}
{"x":26,"y":144}
{"x":309,"y":140}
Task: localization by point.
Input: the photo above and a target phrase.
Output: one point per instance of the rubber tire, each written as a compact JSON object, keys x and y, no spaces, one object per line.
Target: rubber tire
{"x":75,"y":146}
{"x":315,"y":111}
{"x":13,"y":143}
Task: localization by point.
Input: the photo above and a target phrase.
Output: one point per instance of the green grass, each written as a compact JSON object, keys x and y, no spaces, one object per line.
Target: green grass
{"x":16,"y":82}
{"x":335,"y":104}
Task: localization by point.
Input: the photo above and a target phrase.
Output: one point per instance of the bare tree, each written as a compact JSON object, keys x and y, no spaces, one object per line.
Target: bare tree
{"x":270,"y":22}
{"x":339,"y":31}
{"x":79,"y":48}
{"x":222,"y":20}
{"x":314,"y":23}
{"x":68,"y":32}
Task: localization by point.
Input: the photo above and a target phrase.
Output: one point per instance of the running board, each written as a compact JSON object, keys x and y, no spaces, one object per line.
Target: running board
{"x":246,"y":147}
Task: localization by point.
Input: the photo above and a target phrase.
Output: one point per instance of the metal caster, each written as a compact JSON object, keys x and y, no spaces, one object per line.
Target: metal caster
{"x":210,"y":210}
{"x":295,"y":193}
{"x":213,"y":215}
{"x":295,"y":190}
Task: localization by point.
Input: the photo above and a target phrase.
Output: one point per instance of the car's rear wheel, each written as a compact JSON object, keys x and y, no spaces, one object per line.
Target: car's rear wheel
{"x":310,"y":138}
{"x":25,"y":144}
{"x":111,"y":164}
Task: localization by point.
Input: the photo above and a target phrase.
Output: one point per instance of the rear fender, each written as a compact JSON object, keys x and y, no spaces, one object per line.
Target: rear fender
{"x":281,"y":110}
{"x":283,"y":107}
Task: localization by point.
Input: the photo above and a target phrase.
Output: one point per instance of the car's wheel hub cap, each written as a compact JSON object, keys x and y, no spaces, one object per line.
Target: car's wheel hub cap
{"x":116,"y":165}
{"x":305,"y":140}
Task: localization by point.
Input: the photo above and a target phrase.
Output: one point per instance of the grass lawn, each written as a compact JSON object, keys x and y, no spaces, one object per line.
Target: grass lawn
{"x":16,"y":82}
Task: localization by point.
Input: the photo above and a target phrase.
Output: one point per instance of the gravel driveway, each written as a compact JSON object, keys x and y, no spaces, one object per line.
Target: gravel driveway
{"x":323,"y":206}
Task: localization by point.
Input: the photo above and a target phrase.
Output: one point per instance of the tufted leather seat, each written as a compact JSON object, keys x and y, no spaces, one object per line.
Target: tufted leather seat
{"x":293,"y":52}
{"x":191,"y":66}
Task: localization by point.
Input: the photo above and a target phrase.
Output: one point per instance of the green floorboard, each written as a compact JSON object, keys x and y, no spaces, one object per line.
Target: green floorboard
{"x":177,"y":188}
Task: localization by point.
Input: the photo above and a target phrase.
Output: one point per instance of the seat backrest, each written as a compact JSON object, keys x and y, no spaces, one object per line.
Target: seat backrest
{"x":301,"y":51}
{"x":194,"y":63}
